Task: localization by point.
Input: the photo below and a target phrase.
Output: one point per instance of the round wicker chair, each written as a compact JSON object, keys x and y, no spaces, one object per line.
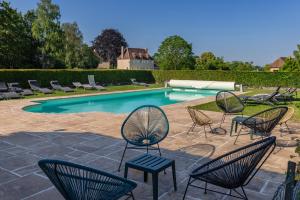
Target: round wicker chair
{"x":199,"y":119}
{"x":229,"y":103}
{"x":77,"y":182}
{"x":233,"y":170}
{"x":144,"y":127}
{"x":264,"y":122}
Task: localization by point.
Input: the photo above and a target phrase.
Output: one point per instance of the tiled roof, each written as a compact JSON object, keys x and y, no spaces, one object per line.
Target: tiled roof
{"x":135,"y":53}
{"x":278,"y":63}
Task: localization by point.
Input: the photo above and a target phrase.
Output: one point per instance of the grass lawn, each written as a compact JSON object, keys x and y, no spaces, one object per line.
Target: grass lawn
{"x":251,"y":109}
{"x":82,"y":91}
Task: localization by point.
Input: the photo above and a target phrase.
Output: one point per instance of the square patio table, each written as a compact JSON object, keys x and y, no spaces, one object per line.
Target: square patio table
{"x":151,"y":164}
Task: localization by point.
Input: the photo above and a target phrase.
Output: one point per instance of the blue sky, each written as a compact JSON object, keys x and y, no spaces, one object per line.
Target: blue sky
{"x":248,"y":30}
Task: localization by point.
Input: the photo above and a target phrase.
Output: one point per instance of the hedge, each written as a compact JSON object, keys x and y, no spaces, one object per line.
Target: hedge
{"x":66,"y":77}
{"x":255,"y":79}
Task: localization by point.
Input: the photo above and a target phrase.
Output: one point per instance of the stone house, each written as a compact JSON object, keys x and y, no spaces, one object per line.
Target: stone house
{"x":277,"y":64}
{"x":135,"y":58}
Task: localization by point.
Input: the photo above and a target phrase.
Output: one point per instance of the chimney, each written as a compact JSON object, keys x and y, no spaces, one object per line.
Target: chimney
{"x":122,"y":52}
{"x":147,"y":54}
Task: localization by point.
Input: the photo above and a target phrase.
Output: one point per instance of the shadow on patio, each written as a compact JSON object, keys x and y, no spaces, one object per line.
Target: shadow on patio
{"x":21,"y":178}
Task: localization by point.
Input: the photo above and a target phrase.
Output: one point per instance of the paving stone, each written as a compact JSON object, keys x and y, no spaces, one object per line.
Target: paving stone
{"x":22,"y":139}
{"x":6,"y":176}
{"x":16,"y":162}
{"x":48,"y":194}
{"x":23,"y":187}
{"x":5,"y":145}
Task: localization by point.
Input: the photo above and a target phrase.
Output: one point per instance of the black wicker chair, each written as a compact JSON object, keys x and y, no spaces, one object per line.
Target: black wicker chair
{"x":76,"y":182}
{"x":233,"y":170}
{"x":229,"y":103}
{"x":263,"y":122}
{"x":144,"y":127}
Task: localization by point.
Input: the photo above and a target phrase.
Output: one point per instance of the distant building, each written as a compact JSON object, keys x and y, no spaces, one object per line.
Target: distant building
{"x":277,"y":64}
{"x":135,"y":58}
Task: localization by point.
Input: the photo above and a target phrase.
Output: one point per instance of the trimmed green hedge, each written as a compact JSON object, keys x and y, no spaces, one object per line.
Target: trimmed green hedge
{"x":66,"y":77}
{"x":255,"y":79}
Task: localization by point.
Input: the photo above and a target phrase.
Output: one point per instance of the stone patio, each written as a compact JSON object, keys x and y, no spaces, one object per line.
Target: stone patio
{"x":94,"y":139}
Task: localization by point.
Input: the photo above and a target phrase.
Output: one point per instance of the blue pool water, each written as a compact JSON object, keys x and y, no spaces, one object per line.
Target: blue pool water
{"x":118,"y":102}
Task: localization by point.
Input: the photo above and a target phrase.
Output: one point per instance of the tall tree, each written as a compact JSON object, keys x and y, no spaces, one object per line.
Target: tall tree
{"x":15,"y":41}
{"x":46,"y":29}
{"x":89,"y":59}
{"x":73,"y":45}
{"x":108,"y":45}
{"x":208,"y":61}
{"x":175,"y":53}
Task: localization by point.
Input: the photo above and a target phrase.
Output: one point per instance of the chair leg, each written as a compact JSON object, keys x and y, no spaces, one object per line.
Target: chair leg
{"x":158,"y":149}
{"x":174,"y":176}
{"x":132,"y":196}
{"x":237,"y":135}
{"x":222,"y":120}
{"x":205,"y":188}
{"x":245,"y":195}
{"x":288,"y":128}
{"x":187,"y":186}
{"x":122,"y":156}
{"x":191,"y":128}
{"x":204,"y":131}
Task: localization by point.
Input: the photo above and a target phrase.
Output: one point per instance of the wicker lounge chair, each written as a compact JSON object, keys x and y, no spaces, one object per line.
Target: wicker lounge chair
{"x":76,"y":182}
{"x":93,"y":83}
{"x":269,"y":99}
{"x":15,"y":87}
{"x":80,"y":85}
{"x":56,"y":86}
{"x":144,"y":127}
{"x":36,"y":87}
{"x":229,"y":103}
{"x":264,"y":122}
{"x":199,"y":119}
{"x":134,"y":82}
{"x":233,"y":170}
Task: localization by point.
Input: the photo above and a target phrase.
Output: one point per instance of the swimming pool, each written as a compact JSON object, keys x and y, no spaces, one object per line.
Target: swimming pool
{"x":118,"y":102}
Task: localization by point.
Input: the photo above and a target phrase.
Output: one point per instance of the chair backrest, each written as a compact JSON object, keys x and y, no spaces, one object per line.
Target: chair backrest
{"x":77,"y":84}
{"x":3,"y":87}
{"x":228,"y":102}
{"x":198,"y":117}
{"x":55,"y":84}
{"x":91,"y":79}
{"x":145,"y":126}
{"x":78,"y":182}
{"x":265,"y":121}
{"x":272,"y":95}
{"x":238,"y":167}
{"x":34,"y":84}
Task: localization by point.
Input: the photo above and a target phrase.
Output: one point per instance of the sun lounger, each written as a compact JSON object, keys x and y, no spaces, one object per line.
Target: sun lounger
{"x":6,"y":94}
{"x":92,"y":83}
{"x":134,"y":82}
{"x":84,"y":86}
{"x":56,"y":86}
{"x":10,"y":95}
{"x":288,"y":95}
{"x":15,"y":87}
{"x":36,"y":87}
{"x":262,"y":98}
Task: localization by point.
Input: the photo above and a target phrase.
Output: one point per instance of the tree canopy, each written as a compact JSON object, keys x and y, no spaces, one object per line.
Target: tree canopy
{"x":208,"y":61}
{"x":292,"y":64}
{"x":175,"y":53}
{"x":108,"y":45}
